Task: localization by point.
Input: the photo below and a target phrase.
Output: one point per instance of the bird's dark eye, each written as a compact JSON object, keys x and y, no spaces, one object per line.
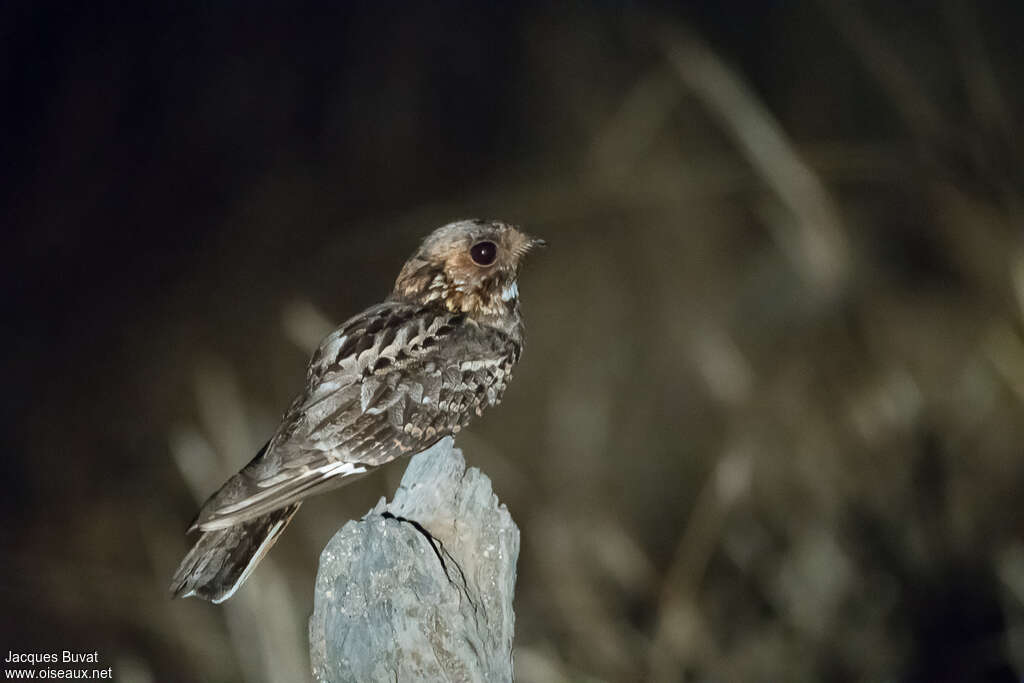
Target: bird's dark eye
{"x":484,"y":253}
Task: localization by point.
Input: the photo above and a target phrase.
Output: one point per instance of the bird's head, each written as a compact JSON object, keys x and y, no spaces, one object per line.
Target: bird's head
{"x":468,"y":266}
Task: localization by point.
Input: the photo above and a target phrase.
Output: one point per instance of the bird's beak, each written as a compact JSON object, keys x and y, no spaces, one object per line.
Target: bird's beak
{"x":525,"y":243}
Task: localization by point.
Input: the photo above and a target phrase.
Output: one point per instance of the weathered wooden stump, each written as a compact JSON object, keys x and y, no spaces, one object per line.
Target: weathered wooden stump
{"x":421,"y":588}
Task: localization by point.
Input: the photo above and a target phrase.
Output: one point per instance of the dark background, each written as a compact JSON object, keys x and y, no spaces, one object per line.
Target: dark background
{"x":768,"y":425}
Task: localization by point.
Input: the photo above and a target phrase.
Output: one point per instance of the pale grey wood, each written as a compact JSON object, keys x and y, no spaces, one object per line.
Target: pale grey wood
{"x":392,"y":606}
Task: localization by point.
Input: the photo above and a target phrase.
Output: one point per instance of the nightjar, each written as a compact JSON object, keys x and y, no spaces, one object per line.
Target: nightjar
{"x":391,"y":381}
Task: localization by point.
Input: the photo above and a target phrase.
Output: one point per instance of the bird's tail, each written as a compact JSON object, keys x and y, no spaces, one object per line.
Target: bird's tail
{"x":222,"y":559}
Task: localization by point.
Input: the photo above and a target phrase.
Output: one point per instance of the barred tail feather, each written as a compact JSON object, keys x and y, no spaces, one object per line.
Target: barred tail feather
{"x":222,"y":559}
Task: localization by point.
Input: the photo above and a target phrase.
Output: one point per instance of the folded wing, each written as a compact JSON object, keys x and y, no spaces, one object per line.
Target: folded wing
{"x":379,"y":387}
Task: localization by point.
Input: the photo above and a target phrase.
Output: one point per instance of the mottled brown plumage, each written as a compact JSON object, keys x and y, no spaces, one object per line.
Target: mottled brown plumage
{"x":391,"y":381}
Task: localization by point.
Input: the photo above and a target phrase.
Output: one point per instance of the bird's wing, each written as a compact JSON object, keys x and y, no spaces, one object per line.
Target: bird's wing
{"x":390,"y":382}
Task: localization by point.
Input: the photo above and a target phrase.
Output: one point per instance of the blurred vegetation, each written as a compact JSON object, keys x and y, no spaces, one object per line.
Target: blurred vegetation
{"x":768,"y":425}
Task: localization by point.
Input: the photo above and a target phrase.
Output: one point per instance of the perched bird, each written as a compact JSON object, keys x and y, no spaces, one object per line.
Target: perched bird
{"x":391,"y":381}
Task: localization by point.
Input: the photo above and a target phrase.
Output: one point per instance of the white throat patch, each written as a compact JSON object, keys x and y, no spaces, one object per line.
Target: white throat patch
{"x":510,"y":292}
